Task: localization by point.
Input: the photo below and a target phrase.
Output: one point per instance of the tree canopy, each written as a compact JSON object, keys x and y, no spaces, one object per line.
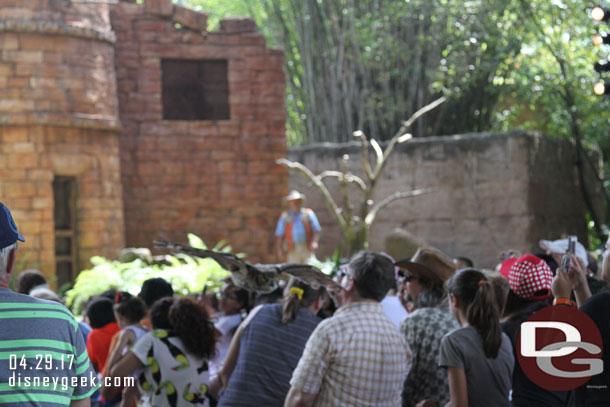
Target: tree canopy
{"x":369,"y":64}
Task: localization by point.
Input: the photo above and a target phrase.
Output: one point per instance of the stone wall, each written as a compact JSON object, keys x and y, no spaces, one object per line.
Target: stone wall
{"x":58,"y":117}
{"x":490,"y":192}
{"x":216,"y":179}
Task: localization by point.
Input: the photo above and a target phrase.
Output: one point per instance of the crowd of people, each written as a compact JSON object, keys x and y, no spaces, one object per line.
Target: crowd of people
{"x":422,"y":331}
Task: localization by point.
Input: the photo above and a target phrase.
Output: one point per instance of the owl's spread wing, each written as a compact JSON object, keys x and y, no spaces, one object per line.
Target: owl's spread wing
{"x":310,"y":275}
{"x":227,"y":261}
{"x":244,"y":275}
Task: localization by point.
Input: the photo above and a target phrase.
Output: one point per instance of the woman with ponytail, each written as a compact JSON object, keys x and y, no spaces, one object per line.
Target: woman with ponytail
{"x":175,"y":360}
{"x":267,"y":347}
{"x":478,"y":357}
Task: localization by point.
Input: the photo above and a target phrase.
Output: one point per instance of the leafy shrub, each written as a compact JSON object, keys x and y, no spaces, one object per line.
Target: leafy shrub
{"x":330,"y":266}
{"x":186,"y":274}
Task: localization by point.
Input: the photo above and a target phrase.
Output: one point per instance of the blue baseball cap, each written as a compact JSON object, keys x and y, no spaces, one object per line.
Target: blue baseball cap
{"x":8,"y":230}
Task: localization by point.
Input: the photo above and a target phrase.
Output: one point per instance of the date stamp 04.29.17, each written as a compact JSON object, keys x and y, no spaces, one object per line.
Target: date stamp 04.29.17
{"x":54,"y":370}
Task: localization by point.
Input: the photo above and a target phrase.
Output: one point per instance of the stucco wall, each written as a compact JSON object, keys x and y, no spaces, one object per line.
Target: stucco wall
{"x":490,"y":192}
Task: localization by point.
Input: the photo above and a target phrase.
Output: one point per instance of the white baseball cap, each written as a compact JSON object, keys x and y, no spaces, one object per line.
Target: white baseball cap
{"x":561,"y":247}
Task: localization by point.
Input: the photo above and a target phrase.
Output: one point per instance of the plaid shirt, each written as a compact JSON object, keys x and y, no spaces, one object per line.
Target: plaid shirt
{"x":356,"y":358}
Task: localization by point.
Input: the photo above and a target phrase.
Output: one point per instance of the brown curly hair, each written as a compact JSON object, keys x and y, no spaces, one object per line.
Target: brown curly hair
{"x":190,"y":321}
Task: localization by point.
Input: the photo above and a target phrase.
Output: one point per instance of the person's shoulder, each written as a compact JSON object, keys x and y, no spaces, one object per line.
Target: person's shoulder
{"x":460,"y":333}
{"x":271,"y":306}
{"x":227,"y":322}
{"x":11,"y":296}
{"x":156,"y":334}
{"x":429,"y":313}
{"x":362,"y":314}
{"x":419,"y":314}
{"x":17,"y":300}
{"x":232,"y":319}
{"x":506,"y":340}
{"x":414,"y":320}
{"x":597,"y":308}
{"x":275,"y":309}
{"x":268,"y":310}
{"x":330,"y":324}
{"x":597,"y":301}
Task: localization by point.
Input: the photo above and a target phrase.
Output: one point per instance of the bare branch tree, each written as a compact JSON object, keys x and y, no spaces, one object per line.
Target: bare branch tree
{"x":355,"y":228}
{"x":370,"y":218}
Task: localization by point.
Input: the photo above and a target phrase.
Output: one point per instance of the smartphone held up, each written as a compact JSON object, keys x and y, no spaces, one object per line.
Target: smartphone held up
{"x":565,"y":263}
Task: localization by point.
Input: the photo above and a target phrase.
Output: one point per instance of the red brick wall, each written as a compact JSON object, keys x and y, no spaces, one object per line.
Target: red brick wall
{"x":217,"y":179}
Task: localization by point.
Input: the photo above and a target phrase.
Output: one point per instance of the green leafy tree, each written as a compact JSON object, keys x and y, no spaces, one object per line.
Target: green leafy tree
{"x":548,"y":87}
{"x":366,"y":64}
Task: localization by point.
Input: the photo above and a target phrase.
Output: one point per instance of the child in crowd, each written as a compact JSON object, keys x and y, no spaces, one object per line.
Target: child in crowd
{"x":232,"y":300}
{"x":128,"y":311}
{"x":152,"y":290}
{"x":478,"y":356}
{"x":174,"y":362}
{"x":103,"y":327}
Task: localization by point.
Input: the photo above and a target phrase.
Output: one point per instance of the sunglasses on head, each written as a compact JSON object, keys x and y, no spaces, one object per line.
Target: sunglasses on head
{"x":343,"y":272}
{"x":409,"y":277}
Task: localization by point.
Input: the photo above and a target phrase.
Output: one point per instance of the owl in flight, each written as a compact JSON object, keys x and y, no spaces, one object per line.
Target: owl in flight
{"x":261,"y":278}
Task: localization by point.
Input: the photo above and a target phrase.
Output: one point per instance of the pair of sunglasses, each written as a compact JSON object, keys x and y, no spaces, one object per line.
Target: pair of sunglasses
{"x":409,"y":277}
{"x":343,"y":272}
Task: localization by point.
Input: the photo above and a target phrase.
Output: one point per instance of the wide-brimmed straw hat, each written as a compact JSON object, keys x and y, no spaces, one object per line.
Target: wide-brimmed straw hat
{"x":429,"y":263}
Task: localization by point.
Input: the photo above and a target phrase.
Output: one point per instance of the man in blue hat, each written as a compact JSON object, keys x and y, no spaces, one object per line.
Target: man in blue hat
{"x":47,"y":363}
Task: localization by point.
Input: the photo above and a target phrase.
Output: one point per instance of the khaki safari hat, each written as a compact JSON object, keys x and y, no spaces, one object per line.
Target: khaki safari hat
{"x":294,"y":195}
{"x":429,"y":263}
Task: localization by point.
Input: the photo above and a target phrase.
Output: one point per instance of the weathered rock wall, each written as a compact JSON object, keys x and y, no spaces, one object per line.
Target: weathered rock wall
{"x":490,"y":192}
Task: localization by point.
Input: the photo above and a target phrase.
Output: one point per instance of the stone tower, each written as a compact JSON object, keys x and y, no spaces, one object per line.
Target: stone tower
{"x":59,"y":128}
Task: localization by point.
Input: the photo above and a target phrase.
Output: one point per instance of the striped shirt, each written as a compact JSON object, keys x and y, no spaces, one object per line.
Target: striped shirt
{"x":43,"y":360}
{"x":357,"y":358}
{"x":268,"y":353}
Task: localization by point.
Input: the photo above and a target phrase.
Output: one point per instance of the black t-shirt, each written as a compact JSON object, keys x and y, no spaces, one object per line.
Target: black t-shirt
{"x":596,"y":392}
{"x":525,"y":392}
